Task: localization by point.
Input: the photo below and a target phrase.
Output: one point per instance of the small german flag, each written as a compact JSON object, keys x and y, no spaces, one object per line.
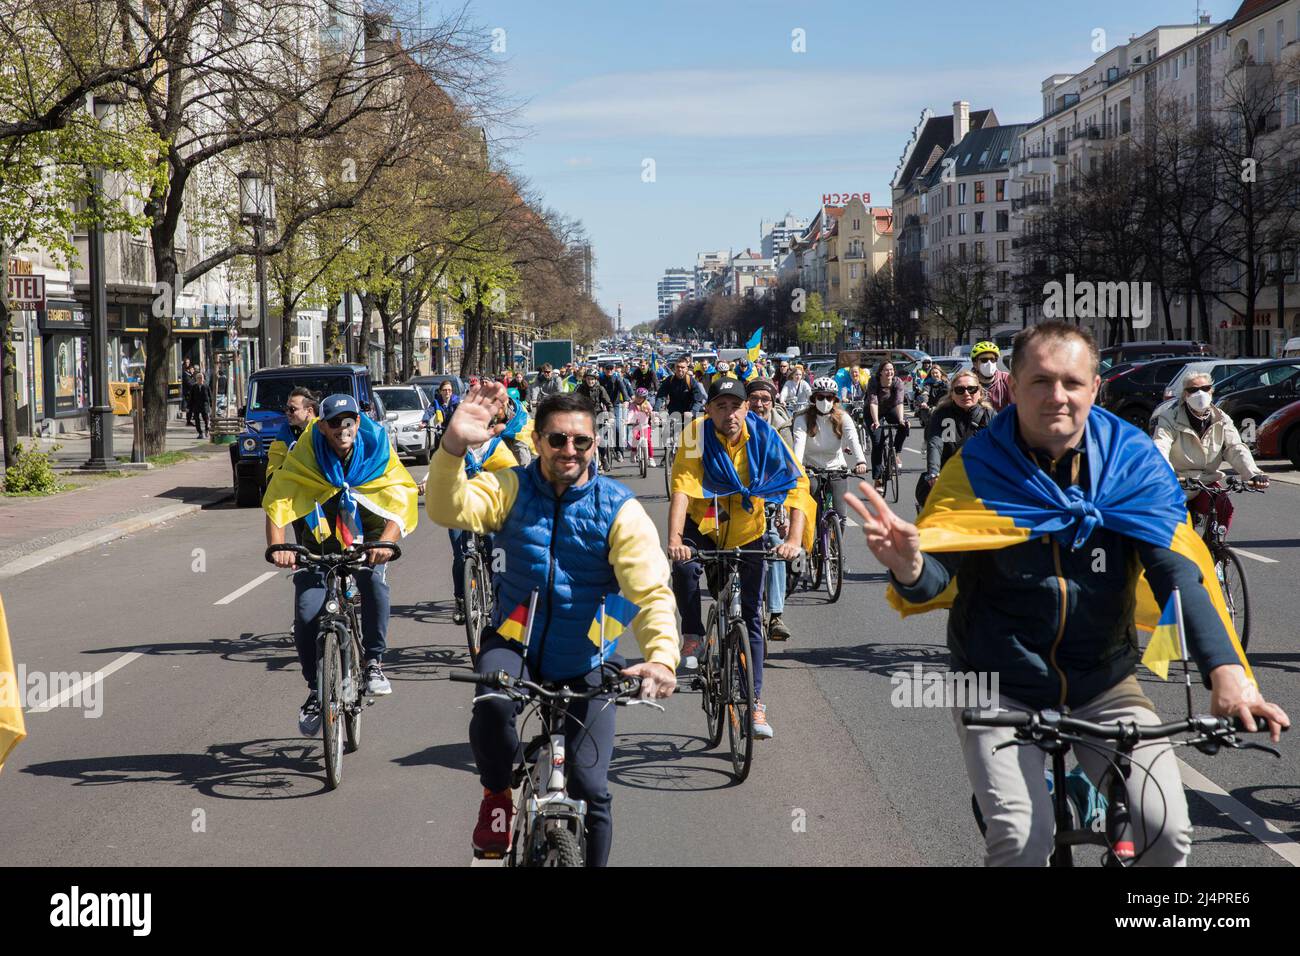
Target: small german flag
{"x":515,"y":627}
{"x":710,"y":520}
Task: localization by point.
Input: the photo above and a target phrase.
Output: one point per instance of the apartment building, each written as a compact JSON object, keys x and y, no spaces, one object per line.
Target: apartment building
{"x":673,"y":288}
{"x":776,"y":238}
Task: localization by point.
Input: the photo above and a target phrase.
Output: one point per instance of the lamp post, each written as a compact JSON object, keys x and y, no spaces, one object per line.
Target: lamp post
{"x":101,"y":413}
{"x":986,"y":301}
{"x":257,"y":209}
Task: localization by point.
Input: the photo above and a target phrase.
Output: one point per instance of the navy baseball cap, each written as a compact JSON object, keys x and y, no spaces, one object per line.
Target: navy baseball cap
{"x":340,"y":404}
{"x":727,"y":386}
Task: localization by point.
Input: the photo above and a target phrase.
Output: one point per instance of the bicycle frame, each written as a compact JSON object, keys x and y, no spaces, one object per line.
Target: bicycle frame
{"x":545,"y":801}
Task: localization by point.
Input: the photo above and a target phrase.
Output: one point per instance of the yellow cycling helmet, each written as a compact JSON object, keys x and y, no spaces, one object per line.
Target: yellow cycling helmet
{"x":982,"y":347}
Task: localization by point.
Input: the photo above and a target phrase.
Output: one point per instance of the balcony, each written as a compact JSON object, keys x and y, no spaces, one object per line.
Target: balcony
{"x":1038,"y":198}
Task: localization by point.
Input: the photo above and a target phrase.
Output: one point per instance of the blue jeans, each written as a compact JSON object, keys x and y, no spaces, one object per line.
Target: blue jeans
{"x":309,"y":598}
{"x":775,"y":575}
{"x":459,"y":541}
{"x":588,"y":733}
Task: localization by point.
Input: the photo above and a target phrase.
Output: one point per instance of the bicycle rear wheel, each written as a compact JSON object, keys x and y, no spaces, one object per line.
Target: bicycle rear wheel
{"x":329,"y":677}
{"x":352,"y":708}
{"x":1232,"y":578}
{"x":641,"y":461}
{"x":712,"y":697}
{"x":740,"y":702}
{"x":475,"y":606}
{"x":668,"y":470}
{"x":834,"y":561}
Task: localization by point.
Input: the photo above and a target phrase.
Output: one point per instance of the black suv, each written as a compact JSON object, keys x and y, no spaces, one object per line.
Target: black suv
{"x":1259,"y":390}
{"x":1149,"y":351}
{"x":1134,"y":394}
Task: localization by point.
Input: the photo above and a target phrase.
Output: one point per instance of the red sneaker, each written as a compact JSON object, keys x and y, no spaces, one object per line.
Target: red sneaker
{"x":495,"y":816}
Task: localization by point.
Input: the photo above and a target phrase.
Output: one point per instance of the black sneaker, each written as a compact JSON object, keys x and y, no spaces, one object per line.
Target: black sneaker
{"x":458,"y":615}
{"x":309,"y":716}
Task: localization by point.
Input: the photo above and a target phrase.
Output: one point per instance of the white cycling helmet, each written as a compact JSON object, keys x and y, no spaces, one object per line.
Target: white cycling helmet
{"x":826,"y":384}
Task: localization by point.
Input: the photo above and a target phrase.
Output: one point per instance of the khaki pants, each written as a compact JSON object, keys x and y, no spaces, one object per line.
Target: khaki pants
{"x":1011,"y":788}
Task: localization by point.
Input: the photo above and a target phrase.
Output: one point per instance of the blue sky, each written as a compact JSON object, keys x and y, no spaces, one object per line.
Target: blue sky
{"x":739,"y":126}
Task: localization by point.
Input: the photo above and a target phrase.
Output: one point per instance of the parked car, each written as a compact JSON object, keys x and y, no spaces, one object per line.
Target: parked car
{"x":380,"y":413}
{"x":951,"y":366}
{"x":407,"y":404}
{"x":1279,"y":435}
{"x":1134,"y":394}
{"x":1219,"y":371}
{"x":1257,"y":392}
{"x":1147,"y":351}
{"x":263,"y":415}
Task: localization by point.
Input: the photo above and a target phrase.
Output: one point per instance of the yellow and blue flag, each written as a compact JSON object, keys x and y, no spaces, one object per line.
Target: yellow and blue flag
{"x":312,"y":474}
{"x":613,"y":617}
{"x":755,"y":345}
{"x":990,"y":495}
{"x":12,"y":728}
{"x":1167,"y":641}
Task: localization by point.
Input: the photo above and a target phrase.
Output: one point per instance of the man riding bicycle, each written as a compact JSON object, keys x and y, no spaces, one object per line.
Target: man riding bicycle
{"x":761,"y":394}
{"x":1043,"y":522}
{"x":1197,"y":439}
{"x":570,"y":538}
{"x":728,"y":465}
{"x":299,"y":412}
{"x":681,"y":395}
{"x":341,"y":483}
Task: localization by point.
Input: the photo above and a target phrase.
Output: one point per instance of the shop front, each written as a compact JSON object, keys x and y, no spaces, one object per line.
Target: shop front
{"x":63,"y":360}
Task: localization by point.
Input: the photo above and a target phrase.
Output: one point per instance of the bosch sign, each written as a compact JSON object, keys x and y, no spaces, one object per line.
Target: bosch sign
{"x":840,"y":199}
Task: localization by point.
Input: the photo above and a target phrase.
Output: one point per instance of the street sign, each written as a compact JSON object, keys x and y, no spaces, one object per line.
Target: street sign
{"x":27,"y":293}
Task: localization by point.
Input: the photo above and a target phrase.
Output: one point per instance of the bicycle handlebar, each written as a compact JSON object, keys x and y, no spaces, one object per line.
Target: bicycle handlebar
{"x":1230,"y":484}
{"x":354,"y":555}
{"x":1053,"y":725}
{"x":620,"y":685}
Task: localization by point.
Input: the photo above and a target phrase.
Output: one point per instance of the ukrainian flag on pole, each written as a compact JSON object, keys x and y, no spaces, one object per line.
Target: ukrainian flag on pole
{"x":1168,"y":641}
{"x":755,"y":345}
{"x":12,"y":728}
{"x":613,"y":617}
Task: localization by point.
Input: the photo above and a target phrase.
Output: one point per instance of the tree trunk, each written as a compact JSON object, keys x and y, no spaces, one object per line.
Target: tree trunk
{"x":288,"y":325}
{"x":8,"y":369}
{"x":390,"y":345}
{"x":367,"y":311}
{"x":1281,"y":296}
{"x":158,"y":344}
{"x":333,"y":344}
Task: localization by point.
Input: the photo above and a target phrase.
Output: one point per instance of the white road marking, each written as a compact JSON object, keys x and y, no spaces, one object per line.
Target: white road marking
{"x":236,"y":594}
{"x":1255,"y":557}
{"x":82,"y":684}
{"x":851,"y":523}
{"x":1263,"y":831}
{"x":914,"y":451}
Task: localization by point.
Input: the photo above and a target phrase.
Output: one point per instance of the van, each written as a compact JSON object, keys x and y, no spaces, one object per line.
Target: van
{"x":1291,"y":349}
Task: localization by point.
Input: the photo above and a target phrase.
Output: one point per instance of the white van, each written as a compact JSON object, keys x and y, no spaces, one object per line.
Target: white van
{"x":1291,"y":349}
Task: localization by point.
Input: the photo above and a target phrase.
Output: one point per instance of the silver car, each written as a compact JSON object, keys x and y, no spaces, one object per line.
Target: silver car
{"x":408,"y":403}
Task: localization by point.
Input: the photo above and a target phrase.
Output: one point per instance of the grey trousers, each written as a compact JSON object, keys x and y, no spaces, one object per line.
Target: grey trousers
{"x":1011,"y":788}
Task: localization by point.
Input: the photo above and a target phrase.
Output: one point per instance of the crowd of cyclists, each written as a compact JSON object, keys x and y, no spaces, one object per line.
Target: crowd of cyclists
{"x":526,"y":462}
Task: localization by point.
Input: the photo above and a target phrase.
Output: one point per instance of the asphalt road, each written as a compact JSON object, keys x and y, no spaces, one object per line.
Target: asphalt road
{"x":195,"y":758}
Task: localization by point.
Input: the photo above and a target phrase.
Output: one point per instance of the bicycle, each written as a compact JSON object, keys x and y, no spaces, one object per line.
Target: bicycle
{"x":642,"y":439}
{"x":1053,"y":732}
{"x":889,"y":461}
{"x":676,"y":424}
{"x":476,"y":585}
{"x":726,"y":676}
{"x":340,"y":682}
{"x":1227,"y":565}
{"x":827,"y":561}
{"x":549,"y":825}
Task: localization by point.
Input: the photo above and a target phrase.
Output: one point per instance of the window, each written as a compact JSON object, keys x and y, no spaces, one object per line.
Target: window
{"x":950,"y":225}
{"x":961,"y":224}
{"x":1002,"y":250}
{"x":1001,"y":191}
{"x":1260,"y":55}
{"x":853,"y":270}
{"x":961,"y":252}
{"x":979,"y":222}
{"x":961,"y":194}
{"x":857,"y":224}
{"x":979,"y":190}
{"x":949,"y":199}
{"x":1281,"y":37}
{"x":1004,"y":221}
{"x":1004,"y":310}
{"x":1003,"y":278}
{"x":979,"y":252}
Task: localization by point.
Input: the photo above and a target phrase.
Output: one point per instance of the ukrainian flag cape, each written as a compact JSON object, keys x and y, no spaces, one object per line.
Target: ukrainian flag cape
{"x":374,"y":479}
{"x":990,"y":495}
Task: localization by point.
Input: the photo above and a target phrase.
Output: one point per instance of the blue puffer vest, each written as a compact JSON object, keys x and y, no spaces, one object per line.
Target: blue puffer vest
{"x":560,"y":548}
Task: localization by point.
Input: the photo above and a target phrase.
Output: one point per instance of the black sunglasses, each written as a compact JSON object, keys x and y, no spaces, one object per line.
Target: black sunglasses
{"x":966,"y":390}
{"x":558,"y":440}
{"x":1197,"y":388}
{"x":340,"y":421}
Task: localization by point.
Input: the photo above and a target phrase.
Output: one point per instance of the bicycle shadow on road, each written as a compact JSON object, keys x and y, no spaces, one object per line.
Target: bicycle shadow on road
{"x":424,"y":612}
{"x":274,"y":649}
{"x":1289,"y":663}
{"x":265,"y":769}
{"x":424,"y":661}
{"x":454,"y":756}
{"x":882,"y":659}
{"x":1279,"y":804}
{"x":669,"y":762}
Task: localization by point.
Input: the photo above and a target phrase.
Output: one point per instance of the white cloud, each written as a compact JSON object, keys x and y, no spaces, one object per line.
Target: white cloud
{"x":578,"y":161}
{"x":741,"y":103}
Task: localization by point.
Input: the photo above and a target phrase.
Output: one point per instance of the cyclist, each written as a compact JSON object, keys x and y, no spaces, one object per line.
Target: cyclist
{"x":822,"y":433}
{"x":930,"y":393}
{"x":570,"y":538}
{"x":745,"y":370}
{"x":681,"y":395}
{"x":957,"y":416}
{"x":761,"y":394}
{"x":852,"y":380}
{"x":640,"y":417}
{"x":1057,"y":624}
{"x":643,"y":376}
{"x":1197,"y":439}
{"x":728,"y":465}
{"x":340,"y":482}
{"x":299,"y":412}
{"x":997,"y":383}
{"x":885,"y":403}
{"x":444,"y":403}
{"x":796,"y":393}
{"x":620,"y":391}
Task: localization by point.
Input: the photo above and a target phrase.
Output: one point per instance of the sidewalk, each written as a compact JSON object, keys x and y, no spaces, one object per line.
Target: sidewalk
{"x":34,"y":531}
{"x":75,"y":446}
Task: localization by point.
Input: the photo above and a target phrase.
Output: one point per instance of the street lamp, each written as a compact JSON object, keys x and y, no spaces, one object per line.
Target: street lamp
{"x":987,"y":302}
{"x":257,"y":209}
{"x":101,"y":413}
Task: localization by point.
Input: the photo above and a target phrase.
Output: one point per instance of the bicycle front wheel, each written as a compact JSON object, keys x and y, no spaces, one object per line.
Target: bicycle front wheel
{"x":891,"y":472}
{"x":475,"y":606}
{"x":641,"y":462}
{"x":712,"y":696}
{"x":834,"y":561}
{"x":1232,"y":578}
{"x":329,"y":678}
{"x":740,"y":702}
{"x":561,"y":849}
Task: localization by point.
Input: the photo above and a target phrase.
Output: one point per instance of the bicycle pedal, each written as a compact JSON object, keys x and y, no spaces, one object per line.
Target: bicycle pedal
{"x":490,"y":854}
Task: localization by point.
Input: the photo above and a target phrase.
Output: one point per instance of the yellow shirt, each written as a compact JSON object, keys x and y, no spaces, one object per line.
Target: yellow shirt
{"x":481,"y":505}
{"x":741,"y":526}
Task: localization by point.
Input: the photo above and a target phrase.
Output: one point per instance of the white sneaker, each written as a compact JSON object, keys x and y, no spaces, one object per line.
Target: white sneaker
{"x":691,"y":646}
{"x":653,"y":464}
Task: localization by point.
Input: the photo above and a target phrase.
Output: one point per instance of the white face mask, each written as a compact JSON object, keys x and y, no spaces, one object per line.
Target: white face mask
{"x":824,"y":405}
{"x":1199,"y":401}
{"x":987,"y":368}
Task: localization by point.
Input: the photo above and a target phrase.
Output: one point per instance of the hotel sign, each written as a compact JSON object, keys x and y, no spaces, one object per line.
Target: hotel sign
{"x":26,"y":291}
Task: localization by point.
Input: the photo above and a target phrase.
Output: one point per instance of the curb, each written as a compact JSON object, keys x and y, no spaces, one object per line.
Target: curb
{"x":112,"y":532}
